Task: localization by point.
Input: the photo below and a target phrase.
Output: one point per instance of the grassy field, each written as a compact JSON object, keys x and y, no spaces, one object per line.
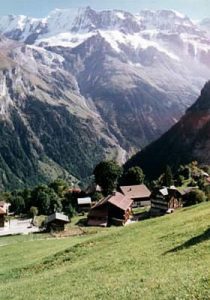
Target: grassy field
{"x":162,"y":258}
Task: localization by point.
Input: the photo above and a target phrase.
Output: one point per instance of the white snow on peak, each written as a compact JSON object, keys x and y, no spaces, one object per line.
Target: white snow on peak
{"x":66,"y":39}
{"x":120,"y":15}
{"x":136,"y":41}
{"x":178,"y":14}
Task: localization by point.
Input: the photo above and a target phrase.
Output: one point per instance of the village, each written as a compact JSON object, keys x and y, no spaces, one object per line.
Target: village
{"x":104,"y":205}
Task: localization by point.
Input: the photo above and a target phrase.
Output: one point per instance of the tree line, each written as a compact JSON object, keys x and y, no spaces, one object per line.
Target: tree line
{"x":59,"y":196}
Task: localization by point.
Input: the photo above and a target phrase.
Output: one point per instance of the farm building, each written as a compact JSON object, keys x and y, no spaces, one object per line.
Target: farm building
{"x":4,"y":209}
{"x":139,"y":193}
{"x":3,"y":213}
{"x":5,"y":206}
{"x":165,"y":200}
{"x":93,"y":188}
{"x":56,"y":222}
{"x":84,"y":204}
{"x":115,"y":209}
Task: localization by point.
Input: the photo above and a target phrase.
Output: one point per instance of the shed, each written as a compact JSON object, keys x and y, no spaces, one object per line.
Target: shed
{"x":139,"y":193}
{"x":84,"y":204}
{"x":114,"y":209}
{"x":3,"y":213}
{"x":56,"y":222}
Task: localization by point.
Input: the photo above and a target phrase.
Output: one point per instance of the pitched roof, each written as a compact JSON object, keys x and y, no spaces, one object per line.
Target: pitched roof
{"x":117,"y":199}
{"x":2,"y":211}
{"x":136,"y":191}
{"x":120,"y":201}
{"x":208,"y":179}
{"x":164,"y":191}
{"x":83,"y":201}
{"x":57,"y":216}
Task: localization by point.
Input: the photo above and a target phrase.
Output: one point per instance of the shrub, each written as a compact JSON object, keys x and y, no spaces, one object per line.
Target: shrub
{"x":194,"y":197}
{"x":33,"y":211}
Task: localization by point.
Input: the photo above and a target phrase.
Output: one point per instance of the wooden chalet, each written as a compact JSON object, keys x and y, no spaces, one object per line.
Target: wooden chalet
{"x":166,"y":200}
{"x":56,"y":222}
{"x":140,"y":194}
{"x":115,"y":209}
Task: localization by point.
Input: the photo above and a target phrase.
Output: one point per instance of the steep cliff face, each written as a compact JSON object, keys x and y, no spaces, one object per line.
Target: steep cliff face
{"x":186,"y":141}
{"x":46,"y":127}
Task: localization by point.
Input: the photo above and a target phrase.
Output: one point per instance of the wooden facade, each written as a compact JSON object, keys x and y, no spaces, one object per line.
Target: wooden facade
{"x":164,"y":200}
{"x":114,"y":209}
{"x":3,"y":213}
{"x":84,"y":204}
{"x":56,"y":222}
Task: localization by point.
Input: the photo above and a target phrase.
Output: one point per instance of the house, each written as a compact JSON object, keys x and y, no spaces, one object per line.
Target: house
{"x":166,"y":200}
{"x":84,"y":204}
{"x":93,"y":188}
{"x":56,"y":222}
{"x":208,"y":180}
{"x":140,"y":194}
{"x":5,"y":206}
{"x":3,"y":213}
{"x":114,"y":209}
{"x":4,"y":209}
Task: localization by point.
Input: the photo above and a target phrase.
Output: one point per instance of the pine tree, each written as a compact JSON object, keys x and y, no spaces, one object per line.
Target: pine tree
{"x":168,"y":176}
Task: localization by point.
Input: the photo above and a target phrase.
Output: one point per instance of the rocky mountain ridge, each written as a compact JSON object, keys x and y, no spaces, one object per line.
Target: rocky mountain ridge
{"x":77,"y":87}
{"x":186,"y":141}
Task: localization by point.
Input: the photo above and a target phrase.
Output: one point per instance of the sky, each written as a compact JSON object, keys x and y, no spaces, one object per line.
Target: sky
{"x":196,"y":9}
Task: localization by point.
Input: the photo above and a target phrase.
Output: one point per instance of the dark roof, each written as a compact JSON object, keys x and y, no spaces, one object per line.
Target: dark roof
{"x":136,"y":191}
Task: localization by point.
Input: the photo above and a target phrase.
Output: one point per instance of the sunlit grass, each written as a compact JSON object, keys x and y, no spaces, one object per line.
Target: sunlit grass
{"x":162,"y":258}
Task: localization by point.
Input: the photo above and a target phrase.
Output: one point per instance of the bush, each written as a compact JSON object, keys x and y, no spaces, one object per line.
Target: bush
{"x":194,"y":197}
{"x":33,"y":211}
{"x":97,"y":196}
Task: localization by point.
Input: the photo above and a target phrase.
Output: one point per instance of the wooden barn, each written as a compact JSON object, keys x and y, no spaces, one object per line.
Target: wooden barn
{"x":115,"y":209}
{"x":84,"y":204}
{"x":56,"y":222}
{"x":140,"y":194}
{"x":165,"y":200}
{"x":3,"y":213}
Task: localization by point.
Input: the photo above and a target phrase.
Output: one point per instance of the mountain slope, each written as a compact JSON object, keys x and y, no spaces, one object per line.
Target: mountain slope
{"x":46,"y":127}
{"x":81,"y":86}
{"x":145,"y":257}
{"x":186,"y":141}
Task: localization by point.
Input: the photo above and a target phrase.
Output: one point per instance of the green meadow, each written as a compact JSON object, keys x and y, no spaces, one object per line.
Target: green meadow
{"x":161,"y":258}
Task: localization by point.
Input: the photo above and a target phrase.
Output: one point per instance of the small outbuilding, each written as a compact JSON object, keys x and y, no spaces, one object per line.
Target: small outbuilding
{"x":84,"y":204}
{"x":56,"y":222}
{"x":140,"y":194}
{"x":114,"y":209}
{"x":3,"y":213}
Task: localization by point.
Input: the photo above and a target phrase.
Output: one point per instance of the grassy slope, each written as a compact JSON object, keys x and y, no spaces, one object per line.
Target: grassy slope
{"x":124,"y":263}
